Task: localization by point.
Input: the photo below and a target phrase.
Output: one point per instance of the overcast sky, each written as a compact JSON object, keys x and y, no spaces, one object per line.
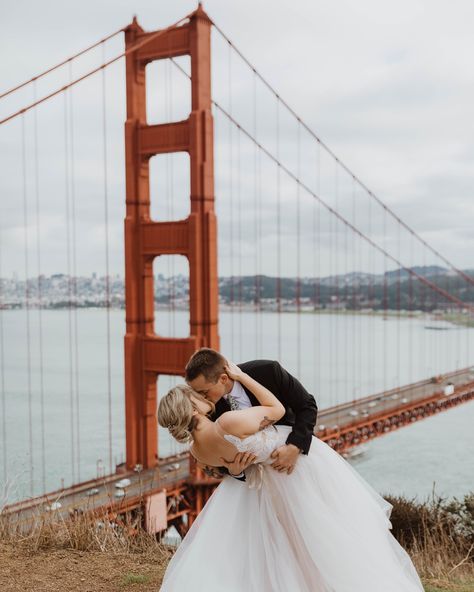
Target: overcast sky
{"x":389,"y":87}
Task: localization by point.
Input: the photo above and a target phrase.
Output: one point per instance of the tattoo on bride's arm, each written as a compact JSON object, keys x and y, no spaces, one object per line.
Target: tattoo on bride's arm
{"x":265,"y":423}
{"x":212,"y":472}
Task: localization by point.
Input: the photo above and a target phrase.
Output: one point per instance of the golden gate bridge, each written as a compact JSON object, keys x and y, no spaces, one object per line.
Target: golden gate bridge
{"x":303,"y":242}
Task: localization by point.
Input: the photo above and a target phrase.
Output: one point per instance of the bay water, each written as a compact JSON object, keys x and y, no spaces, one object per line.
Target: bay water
{"x":62,"y":395}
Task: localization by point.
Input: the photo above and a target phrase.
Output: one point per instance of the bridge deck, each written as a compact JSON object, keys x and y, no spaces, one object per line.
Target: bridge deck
{"x":342,"y":426}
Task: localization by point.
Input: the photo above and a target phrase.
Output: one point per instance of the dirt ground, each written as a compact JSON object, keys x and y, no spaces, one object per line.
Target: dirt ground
{"x":93,"y":571}
{"x":71,"y":571}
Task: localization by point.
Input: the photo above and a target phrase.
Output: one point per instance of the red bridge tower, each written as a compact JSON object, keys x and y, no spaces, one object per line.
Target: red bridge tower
{"x":147,"y":355}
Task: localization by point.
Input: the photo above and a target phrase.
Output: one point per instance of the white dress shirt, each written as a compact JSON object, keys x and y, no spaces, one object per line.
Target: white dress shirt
{"x":239,"y":394}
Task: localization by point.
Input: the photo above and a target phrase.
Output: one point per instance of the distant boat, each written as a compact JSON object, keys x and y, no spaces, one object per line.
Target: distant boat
{"x":437,"y":328}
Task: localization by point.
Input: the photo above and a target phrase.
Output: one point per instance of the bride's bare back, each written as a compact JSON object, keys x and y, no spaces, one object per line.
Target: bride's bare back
{"x":210,"y":447}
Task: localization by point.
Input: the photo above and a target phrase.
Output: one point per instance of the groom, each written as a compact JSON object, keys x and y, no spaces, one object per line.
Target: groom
{"x":205,"y":374}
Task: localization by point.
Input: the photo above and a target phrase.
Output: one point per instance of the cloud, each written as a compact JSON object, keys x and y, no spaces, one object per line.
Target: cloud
{"x":388,"y":88}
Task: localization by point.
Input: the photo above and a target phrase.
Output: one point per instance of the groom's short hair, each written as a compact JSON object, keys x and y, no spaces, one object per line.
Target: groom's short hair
{"x":205,"y":361}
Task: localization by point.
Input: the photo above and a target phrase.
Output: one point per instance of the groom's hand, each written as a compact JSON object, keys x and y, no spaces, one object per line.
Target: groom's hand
{"x":285,"y":458}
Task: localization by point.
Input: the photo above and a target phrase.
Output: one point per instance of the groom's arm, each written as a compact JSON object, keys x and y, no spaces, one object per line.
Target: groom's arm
{"x":293,"y":394}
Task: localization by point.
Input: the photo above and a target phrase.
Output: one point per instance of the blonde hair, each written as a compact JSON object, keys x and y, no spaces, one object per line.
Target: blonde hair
{"x":175,"y":412}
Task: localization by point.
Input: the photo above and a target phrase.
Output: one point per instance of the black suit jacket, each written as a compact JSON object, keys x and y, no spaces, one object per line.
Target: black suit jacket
{"x":300,"y":407}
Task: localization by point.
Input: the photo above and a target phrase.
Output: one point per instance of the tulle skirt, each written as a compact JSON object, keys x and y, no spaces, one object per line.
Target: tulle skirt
{"x":320,"y":529}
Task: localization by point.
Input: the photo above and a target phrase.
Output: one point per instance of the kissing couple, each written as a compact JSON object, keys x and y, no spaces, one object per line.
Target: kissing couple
{"x":290,"y":514}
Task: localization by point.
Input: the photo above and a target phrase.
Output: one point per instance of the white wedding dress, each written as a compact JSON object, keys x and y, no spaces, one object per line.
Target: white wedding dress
{"x":320,"y":529}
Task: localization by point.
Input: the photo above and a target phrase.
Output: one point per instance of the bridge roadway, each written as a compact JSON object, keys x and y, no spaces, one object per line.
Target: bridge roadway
{"x":353,"y":412}
{"x":342,"y":426}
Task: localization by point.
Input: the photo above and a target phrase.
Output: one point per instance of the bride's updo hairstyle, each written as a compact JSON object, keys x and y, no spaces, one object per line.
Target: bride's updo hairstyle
{"x":175,"y":412}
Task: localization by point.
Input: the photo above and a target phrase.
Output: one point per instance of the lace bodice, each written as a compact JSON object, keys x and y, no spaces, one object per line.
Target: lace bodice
{"x":263,"y":443}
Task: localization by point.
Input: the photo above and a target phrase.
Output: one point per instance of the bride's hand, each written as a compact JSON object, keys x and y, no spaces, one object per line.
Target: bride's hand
{"x":241,"y":462}
{"x":233,"y":371}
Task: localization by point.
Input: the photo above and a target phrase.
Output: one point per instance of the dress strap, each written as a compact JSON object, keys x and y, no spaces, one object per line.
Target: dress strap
{"x":220,"y":429}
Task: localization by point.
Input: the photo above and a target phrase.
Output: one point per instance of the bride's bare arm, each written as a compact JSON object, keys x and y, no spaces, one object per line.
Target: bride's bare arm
{"x":245,"y":422}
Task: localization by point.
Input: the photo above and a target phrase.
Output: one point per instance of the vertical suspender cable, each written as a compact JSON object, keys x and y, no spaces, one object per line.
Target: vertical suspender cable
{"x":336,"y":279}
{"x":107,"y":267}
{"x":315,"y":241}
{"x":360,"y":317}
{"x":385,"y":305}
{"x":345,"y":318}
{"x":259,"y":251}
{"x":467,"y":324}
{"x":385,"y":310}
{"x":67,"y":194}
{"x":447,"y":288}
{"x":373,"y":317}
{"x":354,"y":293}
{"x":423,"y":346}
{"x":278,"y":230}
{"x":411,"y":314}
{"x":399,"y":318}
{"x":257,"y":312}
{"x":239,"y":239}
{"x":436,"y":338}
{"x":318,"y":260}
{"x":74,"y":276}
{"x":40,"y":295}
{"x":330,"y":307}
{"x":298,"y":255}
{"x":2,"y":366}
{"x":27,"y":304}
{"x":231,"y":202}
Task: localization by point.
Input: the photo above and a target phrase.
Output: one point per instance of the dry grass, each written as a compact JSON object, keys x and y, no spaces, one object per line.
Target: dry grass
{"x":101,"y":531}
{"x":439,"y":535}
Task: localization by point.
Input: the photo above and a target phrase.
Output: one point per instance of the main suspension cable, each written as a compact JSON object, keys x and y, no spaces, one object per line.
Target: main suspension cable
{"x":313,"y":134}
{"x":135,"y":47}
{"x":333,"y":211}
{"x":64,"y":62}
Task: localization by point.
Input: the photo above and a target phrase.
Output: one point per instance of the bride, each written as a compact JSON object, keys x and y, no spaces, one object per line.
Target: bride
{"x":321,"y":528}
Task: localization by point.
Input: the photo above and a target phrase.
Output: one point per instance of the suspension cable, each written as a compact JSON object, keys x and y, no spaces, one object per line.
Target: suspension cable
{"x":333,"y":211}
{"x":135,"y":47}
{"x":70,"y":59}
{"x":414,"y":275}
{"x":313,"y":134}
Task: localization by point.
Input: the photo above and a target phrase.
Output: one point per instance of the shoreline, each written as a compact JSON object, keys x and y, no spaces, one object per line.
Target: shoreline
{"x":457,"y":320}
